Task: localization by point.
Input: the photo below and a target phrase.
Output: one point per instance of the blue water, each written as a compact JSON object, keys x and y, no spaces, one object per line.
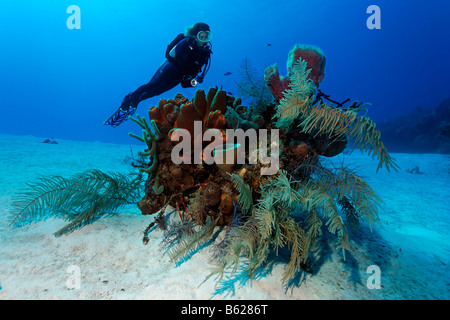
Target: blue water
{"x":63,"y":83}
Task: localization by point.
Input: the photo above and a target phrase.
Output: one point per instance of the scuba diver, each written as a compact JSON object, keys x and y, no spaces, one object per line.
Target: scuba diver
{"x":186,"y":55}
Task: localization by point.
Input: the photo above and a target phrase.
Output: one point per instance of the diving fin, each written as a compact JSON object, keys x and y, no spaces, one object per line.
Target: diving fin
{"x":126,"y":109}
{"x":120,"y":116}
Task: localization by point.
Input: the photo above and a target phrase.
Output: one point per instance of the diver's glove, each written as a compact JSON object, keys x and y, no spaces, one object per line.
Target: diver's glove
{"x":126,"y":109}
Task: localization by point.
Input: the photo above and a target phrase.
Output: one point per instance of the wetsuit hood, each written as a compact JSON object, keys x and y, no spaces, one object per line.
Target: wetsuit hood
{"x":200,"y":26}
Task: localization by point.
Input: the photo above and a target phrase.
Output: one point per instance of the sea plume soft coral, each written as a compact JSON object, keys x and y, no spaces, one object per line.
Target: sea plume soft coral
{"x":80,"y":199}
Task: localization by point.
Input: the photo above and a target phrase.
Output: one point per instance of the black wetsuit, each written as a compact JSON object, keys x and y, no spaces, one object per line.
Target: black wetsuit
{"x":189,"y":60}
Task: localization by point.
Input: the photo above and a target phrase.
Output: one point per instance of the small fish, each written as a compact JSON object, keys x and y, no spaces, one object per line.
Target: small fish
{"x":230,"y":93}
{"x":227,"y":73}
{"x":269,"y":44}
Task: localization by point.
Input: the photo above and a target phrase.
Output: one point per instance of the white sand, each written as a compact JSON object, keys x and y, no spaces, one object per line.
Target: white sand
{"x":411,"y":244}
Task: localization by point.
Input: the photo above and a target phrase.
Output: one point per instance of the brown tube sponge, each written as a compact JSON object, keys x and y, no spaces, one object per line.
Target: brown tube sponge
{"x":185,"y":119}
{"x":219,"y":102}
{"x":199,"y":102}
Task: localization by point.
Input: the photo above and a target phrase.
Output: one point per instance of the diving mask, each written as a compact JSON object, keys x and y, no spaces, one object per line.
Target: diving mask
{"x":204,"y":36}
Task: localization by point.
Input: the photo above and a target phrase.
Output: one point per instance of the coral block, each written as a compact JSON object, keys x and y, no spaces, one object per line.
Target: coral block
{"x":314,"y":58}
{"x":315,"y":61}
{"x":274,"y":81}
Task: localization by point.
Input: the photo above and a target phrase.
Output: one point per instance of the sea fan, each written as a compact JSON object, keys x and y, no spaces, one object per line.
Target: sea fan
{"x":298,"y":100}
{"x":252,"y":87}
{"x":290,"y":214}
{"x":190,"y":242}
{"x":329,"y":188}
{"x":245,"y":198}
{"x":175,"y":232}
{"x":269,"y":227}
{"x":338,"y":123}
{"x":352,"y":216}
{"x":79,"y":199}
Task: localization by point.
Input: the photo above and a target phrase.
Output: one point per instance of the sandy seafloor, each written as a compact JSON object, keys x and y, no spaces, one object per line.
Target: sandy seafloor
{"x":410,"y":244}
